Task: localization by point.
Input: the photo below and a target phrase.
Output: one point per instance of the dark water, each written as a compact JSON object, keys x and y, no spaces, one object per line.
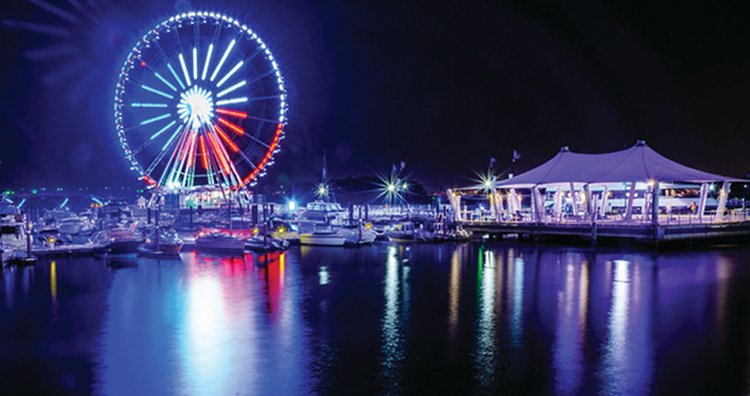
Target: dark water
{"x":383,"y":319}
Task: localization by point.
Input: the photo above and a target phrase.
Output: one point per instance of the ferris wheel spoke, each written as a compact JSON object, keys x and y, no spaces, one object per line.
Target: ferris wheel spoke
{"x":176,"y":77}
{"x":155,"y":119}
{"x":152,"y":105}
{"x":195,"y":63}
{"x":171,"y":138}
{"x":236,"y":128}
{"x":261,"y":76}
{"x":229,"y":74}
{"x":262,"y":143}
{"x":231,"y":101}
{"x":152,"y":138}
{"x":230,"y":164}
{"x":155,"y":162}
{"x":160,"y":131}
{"x":164,"y":80}
{"x":156,"y":91}
{"x":223,"y":59}
{"x":226,"y":139}
{"x":248,"y":160}
{"x":223,"y":158}
{"x":232,"y":88}
{"x":262,"y":98}
{"x":204,"y":154}
{"x":179,"y":158}
{"x":184,"y":69}
{"x":163,"y":152}
{"x":261,"y":119}
{"x":208,"y":60}
{"x":233,"y":113}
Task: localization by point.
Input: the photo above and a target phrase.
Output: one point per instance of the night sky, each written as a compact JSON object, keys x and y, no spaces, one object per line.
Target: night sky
{"x":440,"y":85}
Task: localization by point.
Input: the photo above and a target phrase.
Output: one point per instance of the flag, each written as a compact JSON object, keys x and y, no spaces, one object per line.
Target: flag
{"x":492,"y":162}
{"x":403,"y":165}
{"x":394,"y":169}
{"x":516,"y":155}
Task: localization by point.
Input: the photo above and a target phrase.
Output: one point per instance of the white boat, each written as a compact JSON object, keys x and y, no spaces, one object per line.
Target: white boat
{"x":319,"y":213}
{"x":119,"y":240}
{"x":323,"y":237}
{"x":220,"y":242}
{"x":407,"y":232}
{"x":75,"y":226}
{"x":169,"y":243}
{"x":12,"y":232}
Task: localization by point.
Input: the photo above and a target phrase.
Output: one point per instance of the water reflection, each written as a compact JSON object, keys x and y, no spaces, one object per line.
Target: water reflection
{"x":486,"y":350}
{"x":627,"y":363}
{"x":516,"y":328}
{"x":513,"y":319}
{"x":454,"y":289}
{"x":394,"y":316}
{"x":324,"y":277}
{"x":53,"y":281}
{"x":212,"y":319}
{"x":570,"y":337}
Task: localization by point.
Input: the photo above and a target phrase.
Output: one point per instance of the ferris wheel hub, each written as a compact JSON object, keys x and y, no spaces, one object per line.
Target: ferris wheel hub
{"x":196,"y":107}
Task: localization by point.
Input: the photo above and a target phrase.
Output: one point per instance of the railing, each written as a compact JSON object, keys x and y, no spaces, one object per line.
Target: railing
{"x":665,"y":220}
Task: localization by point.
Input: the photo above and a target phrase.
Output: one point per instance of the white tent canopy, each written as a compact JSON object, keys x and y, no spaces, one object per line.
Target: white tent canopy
{"x":639,"y":163}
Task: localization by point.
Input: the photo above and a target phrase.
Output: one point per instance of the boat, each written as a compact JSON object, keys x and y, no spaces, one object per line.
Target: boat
{"x":114,"y":214}
{"x":381,"y":227}
{"x":318,"y":213}
{"x":359,"y":234}
{"x":167,"y":243}
{"x":217,"y":241}
{"x":13,"y":237}
{"x":117,"y":241}
{"x":456,"y":235}
{"x":283,"y":229}
{"x":327,"y":236}
{"x":260,"y":245}
{"x":47,"y":236}
{"x":75,"y":229}
{"x":405,"y":231}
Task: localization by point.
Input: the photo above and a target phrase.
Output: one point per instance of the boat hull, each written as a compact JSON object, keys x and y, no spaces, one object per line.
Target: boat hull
{"x":164,"y":249}
{"x":124,"y":247}
{"x":229,"y":248}
{"x":396,"y":237}
{"x":322,"y":240}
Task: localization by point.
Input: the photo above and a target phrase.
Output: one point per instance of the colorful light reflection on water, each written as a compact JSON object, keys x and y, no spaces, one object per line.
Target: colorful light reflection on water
{"x":382,"y":319}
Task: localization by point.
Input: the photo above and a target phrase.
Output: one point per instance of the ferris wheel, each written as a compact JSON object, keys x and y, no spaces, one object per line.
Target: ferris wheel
{"x":200,"y":102}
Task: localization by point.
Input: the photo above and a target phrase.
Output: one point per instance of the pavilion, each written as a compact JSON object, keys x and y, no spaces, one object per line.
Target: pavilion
{"x":636,"y":185}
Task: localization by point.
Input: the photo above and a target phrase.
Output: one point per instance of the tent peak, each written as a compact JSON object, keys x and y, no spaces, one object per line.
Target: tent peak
{"x":564,"y":149}
{"x":640,"y":143}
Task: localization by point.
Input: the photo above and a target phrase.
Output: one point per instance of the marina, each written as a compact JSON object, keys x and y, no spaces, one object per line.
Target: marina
{"x":386,"y":198}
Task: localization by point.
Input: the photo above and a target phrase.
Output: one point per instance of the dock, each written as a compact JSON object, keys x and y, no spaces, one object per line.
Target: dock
{"x":650,"y":234}
{"x":64,"y":250}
